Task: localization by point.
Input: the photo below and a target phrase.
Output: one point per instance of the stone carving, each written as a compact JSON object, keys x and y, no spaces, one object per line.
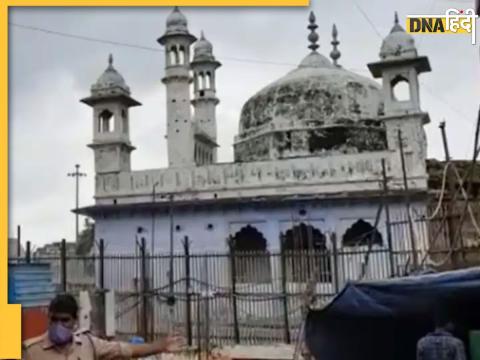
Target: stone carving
{"x":245,"y":175}
{"x":111,"y":183}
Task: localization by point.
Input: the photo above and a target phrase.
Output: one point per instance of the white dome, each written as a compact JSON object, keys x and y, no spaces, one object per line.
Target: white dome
{"x":398,"y":44}
{"x":315,"y":60}
{"x":318,"y":108}
{"x":110,"y":81}
{"x":203,"y":49}
{"x":177,"y":22}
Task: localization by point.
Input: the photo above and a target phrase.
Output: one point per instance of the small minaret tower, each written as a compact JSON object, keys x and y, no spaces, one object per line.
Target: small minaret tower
{"x":110,"y":99}
{"x":399,"y":67}
{"x":205,"y":101}
{"x":180,"y":129}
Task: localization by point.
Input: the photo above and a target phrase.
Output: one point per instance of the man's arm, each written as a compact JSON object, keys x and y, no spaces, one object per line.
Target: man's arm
{"x":120,"y":350}
{"x":169,"y":344}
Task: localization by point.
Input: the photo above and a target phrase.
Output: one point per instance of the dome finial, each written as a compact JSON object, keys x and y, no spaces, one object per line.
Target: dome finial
{"x":176,"y":21}
{"x":335,"y":54}
{"x":110,"y":60}
{"x":313,"y":36}
{"x":202,"y":35}
{"x":396,"y":24}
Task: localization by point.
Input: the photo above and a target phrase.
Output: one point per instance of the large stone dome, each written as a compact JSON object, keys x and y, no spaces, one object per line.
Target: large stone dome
{"x":316,"y":109}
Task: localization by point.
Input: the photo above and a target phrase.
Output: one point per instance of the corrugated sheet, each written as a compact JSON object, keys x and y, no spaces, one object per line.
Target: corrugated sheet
{"x":30,"y":284}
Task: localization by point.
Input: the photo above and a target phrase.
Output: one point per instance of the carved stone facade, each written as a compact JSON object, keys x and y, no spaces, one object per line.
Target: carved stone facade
{"x":317,"y":176}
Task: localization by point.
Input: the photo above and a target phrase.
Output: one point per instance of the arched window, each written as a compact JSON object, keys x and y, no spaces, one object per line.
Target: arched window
{"x":251,"y":257}
{"x":199,"y":81}
{"x":106,"y":121}
{"x":306,"y":254}
{"x":400,"y":89}
{"x":181,"y":55}
{"x":173,"y":56}
{"x":124,"y":121}
{"x":362,"y":233}
{"x":204,"y":81}
{"x":208,"y":80}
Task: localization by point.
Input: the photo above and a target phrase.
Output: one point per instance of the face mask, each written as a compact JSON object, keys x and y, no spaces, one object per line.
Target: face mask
{"x":59,"y":334}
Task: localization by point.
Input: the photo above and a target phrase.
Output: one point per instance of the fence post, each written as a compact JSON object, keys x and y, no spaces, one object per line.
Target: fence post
{"x":333,"y":239}
{"x":188,"y":310}
{"x":284,"y":289}
{"x":101,"y":265}
{"x":143,"y":287}
{"x":19,"y":242}
{"x":63,"y":264}
{"x":100,"y":298}
{"x":28,"y":252}
{"x":233,"y":272}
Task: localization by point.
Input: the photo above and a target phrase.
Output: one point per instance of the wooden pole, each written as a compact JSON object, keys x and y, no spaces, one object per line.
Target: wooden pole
{"x":387,"y":218}
{"x":407,"y":201}
{"x":470,"y":175}
{"x":451,"y":190}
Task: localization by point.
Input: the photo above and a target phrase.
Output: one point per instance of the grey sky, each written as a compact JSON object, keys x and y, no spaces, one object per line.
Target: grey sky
{"x":49,"y":127}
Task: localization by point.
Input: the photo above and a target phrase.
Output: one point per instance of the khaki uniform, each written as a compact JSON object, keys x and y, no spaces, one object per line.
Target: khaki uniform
{"x":83,"y":347}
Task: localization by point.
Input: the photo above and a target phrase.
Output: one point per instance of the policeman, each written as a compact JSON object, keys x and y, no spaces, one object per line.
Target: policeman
{"x":63,"y":341}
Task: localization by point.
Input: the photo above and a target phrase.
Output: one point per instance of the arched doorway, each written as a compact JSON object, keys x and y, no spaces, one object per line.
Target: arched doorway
{"x":362,"y":233}
{"x":252,"y":259}
{"x":307,"y":256}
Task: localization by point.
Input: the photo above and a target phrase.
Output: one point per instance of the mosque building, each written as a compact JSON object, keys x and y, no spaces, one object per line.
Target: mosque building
{"x":307,"y":170}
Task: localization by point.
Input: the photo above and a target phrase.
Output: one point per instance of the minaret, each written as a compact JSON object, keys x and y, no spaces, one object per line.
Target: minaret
{"x":110,"y":99}
{"x":180,"y":130}
{"x":205,"y":101}
{"x":399,"y":66}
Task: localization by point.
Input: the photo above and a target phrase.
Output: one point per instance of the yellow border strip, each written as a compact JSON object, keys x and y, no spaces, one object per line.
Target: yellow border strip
{"x":10,"y":328}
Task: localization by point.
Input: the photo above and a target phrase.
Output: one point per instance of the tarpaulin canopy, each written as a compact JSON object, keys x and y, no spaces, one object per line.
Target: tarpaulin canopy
{"x":385,"y":319}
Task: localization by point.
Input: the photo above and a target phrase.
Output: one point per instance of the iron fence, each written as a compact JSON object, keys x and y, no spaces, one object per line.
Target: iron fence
{"x":234,"y":297}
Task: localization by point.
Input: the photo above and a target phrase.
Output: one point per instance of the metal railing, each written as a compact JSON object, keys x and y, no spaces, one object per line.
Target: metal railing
{"x":234,"y":297}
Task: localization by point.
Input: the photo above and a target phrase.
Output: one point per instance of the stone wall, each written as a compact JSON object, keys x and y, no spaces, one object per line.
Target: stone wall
{"x":335,"y":174}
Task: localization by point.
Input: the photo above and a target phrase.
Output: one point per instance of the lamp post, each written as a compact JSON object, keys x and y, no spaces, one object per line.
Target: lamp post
{"x":77,"y":174}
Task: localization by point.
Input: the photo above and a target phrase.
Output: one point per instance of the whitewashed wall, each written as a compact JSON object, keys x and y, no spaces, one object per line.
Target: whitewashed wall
{"x":119,"y":230}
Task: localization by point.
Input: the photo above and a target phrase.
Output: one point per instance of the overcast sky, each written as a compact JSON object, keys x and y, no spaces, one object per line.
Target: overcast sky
{"x":50,"y":128}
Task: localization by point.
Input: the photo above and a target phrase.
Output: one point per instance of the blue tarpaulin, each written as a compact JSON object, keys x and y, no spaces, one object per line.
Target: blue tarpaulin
{"x":385,"y":319}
